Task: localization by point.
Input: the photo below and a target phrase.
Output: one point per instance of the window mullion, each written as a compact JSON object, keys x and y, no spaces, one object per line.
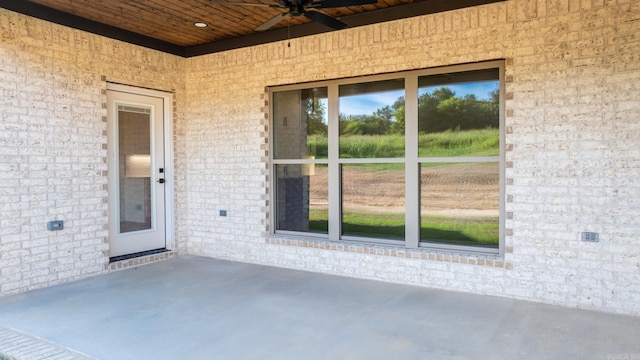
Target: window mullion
{"x":412,"y":168}
{"x":447,"y":150}
{"x":334,"y":165}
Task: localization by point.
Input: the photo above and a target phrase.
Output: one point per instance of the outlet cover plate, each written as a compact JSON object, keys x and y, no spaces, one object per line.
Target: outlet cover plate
{"x":55,"y":225}
{"x":590,"y":236}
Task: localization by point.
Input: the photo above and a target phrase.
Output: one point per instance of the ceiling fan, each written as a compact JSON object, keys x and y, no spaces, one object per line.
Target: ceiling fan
{"x":304,"y":8}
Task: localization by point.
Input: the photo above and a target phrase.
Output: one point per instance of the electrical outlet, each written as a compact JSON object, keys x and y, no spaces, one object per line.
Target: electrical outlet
{"x":590,"y":236}
{"x":55,"y":225}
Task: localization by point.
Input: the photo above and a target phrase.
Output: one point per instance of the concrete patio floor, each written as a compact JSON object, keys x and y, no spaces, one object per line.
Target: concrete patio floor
{"x":200,"y":308}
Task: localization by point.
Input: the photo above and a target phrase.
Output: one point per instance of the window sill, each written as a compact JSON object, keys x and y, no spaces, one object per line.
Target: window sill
{"x":490,"y":260}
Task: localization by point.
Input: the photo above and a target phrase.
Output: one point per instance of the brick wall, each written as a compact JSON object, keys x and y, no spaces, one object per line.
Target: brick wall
{"x":573,"y":80}
{"x":573,"y":148}
{"x":53,"y":145}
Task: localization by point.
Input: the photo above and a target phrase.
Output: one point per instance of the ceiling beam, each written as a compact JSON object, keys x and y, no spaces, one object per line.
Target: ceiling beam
{"x":361,"y":19}
{"x":62,"y":18}
{"x":280,"y":34}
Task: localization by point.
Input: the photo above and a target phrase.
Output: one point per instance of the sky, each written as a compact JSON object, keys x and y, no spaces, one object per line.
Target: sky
{"x":368,"y":103}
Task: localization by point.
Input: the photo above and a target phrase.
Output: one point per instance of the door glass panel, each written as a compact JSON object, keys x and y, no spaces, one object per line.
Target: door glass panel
{"x":134,"y":137}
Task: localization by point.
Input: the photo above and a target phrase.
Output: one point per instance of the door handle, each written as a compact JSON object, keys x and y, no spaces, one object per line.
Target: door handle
{"x":161,"y":181}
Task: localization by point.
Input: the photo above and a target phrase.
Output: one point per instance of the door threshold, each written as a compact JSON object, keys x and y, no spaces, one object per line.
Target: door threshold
{"x":136,"y":255}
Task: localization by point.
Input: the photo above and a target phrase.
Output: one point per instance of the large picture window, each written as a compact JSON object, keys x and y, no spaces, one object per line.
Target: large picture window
{"x":409,"y":159}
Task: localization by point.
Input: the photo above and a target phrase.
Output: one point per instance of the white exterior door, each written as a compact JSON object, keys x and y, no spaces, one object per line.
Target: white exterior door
{"x":136,"y":165}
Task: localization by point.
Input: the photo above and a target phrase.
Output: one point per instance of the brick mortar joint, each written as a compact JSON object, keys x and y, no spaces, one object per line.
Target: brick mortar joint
{"x":489,"y":260}
{"x":143,"y":260}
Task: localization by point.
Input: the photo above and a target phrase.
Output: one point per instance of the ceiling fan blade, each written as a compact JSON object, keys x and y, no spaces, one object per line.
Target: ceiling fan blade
{"x":325,"y":20}
{"x":325,"y":4}
{"x":271,"y":22}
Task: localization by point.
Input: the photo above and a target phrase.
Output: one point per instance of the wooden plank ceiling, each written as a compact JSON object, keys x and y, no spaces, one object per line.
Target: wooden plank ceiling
{"x":168,"y":25}
{"x":172,"y":20}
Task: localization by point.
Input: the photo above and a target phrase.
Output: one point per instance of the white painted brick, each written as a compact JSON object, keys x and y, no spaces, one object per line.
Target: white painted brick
{"x":52,"y":139}
{"x":575,"y":76}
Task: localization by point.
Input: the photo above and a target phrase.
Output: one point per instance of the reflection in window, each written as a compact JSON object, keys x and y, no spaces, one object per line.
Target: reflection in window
{"x":435,"y":182}
{"x":460,"y":203}
{"x":459,"y":114}
{"x":372,"y":119}
{"x":300,"y":124}
{"x":373,"y":200}
{"x":302,"y":198}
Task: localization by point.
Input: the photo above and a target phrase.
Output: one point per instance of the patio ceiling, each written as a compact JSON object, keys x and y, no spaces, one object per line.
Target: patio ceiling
{"x":168,"y":25}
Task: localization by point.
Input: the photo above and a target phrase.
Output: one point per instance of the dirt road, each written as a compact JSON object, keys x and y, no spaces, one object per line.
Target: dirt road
{"x":468,"y":189}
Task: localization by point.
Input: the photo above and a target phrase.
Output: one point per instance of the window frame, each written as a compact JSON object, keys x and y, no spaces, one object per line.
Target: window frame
{"x":412,"y":161}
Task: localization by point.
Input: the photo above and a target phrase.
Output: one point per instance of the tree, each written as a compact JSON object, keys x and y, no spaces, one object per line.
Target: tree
{"x":438,"y":111}
{"x":364,"y":124}
{"x":315,"y":117}
{"x":398,"y":113}
{"x":441,"y":110}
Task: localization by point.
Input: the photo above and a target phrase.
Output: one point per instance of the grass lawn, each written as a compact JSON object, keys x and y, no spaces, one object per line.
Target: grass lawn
{"x":470,"y":231}
{"x":458,"y":230}
{"x":481,"y":142}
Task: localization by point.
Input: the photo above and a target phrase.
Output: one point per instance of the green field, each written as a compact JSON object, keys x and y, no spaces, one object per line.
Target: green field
{"x":484,"y":142}
{"x":470,"y":231}
{"x":458,"y":230}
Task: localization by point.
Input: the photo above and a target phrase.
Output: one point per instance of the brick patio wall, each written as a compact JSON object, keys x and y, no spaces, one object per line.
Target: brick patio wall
{"x":53,"y":145}
{"x":573,"y":148}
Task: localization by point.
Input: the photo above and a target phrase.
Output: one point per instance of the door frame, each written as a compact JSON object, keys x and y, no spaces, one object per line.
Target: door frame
{"x":167,"y":102}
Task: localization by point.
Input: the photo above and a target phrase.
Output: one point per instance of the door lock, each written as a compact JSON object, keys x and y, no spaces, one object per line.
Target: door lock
{"x":161,"y":181}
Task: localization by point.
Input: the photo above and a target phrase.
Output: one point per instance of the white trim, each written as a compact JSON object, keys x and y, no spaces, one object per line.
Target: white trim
{"x":301,"y":161}
{"x":412,"y":167}
{"x":461,"y":159}
{"x":138,"y":90}
{"x":167,"y":98}
{"x":502,"y":178}
{"x":334,"y":173}
{"x":399,"y":160}
{"x":169,"y":172}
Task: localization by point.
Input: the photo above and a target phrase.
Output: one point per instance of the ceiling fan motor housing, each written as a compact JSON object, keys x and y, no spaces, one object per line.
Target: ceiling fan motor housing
{"x":296,"y":10}
{"x":304,"y":8}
